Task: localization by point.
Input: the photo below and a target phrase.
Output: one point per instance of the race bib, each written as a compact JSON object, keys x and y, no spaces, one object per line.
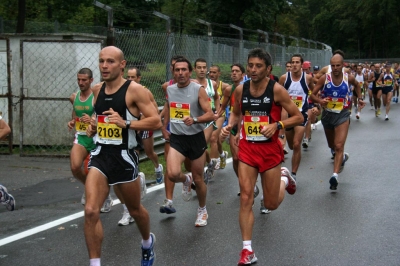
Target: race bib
{"x":298,"y":101}
{"x":108,"y":133}
{"x":335,"y":105}
{"x":361,"y":84}
{"x":178,"y":111}
{"x":253,"y":126}
{"x":80,"y":127}
{"x":388,"y":82}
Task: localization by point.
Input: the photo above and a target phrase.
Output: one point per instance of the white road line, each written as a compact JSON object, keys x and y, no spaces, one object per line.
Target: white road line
{"x":66,"y":219}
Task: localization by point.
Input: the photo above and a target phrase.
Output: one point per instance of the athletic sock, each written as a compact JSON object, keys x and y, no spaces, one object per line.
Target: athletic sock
{"x":247,"y":245}
{"x":285,"y":179}
{"x":146,"y":244}
{"x":95,"y":262}
{"x":124,"y":206}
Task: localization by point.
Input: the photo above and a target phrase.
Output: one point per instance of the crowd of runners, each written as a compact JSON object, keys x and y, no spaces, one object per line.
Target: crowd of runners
{"x":114,"y":121}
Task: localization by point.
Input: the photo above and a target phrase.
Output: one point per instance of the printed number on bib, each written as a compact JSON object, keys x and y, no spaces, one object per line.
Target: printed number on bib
{"x":178,"y":111}
{"x":298,"y":101}
{"x":335,"y":105}
{"x":253,"y":126}
{"x":108,"y":133}
{"x":388,"y":82}
{"x":80,"y":127}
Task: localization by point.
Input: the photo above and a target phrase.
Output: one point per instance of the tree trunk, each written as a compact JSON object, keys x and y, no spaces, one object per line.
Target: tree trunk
{"x":21,"y":16}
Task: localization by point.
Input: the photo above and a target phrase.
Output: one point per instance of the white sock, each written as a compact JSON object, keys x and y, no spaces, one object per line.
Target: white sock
{"x":285,"y":179}
{"x":157,"y":169}
{"x":124,"y":206}
{"x":146,"y":244}
{"x":222,"y":154}
{"x":201,"y":209}
{"x":335,"y":175}
{"x":247,"y":245}
{"x":187,"y":182}
{"x":95,"y":262}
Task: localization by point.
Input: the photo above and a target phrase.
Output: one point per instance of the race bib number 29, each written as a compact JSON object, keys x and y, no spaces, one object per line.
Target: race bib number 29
{"x":108,"y":133}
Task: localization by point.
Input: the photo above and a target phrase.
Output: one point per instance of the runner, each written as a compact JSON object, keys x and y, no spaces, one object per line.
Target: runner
{"x":260,"y":101}
{"x":117,"y":104}
{"x":311,"y":117}
{"x":200,"y":69}
{"x":396,"y":87}
{"x":335,"y":92}
{"x":371,"y":79}
{"x":388,"y":81}
{"x":147,"y":136}
{"x":5,"y":198}
{"x":82,"y":102}
{"x":215,"y":146}
{"x":189,"y":109}
{"x":377,"y":89}
{"x":297,"y":83}
{"x":361,"y":79}
{"x":168,"y":207}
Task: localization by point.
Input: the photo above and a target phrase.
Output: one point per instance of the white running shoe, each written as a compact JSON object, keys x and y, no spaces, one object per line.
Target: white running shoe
{"x":186,"y":189}
{"x":126,"y":218}
{"x":83,"y":199}
{"x":201,"y":219}
{"x":107,"y":204}
{"x":143,"y":187}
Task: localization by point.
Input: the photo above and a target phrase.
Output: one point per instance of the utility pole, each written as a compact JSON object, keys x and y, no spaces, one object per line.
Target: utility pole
{"x":208,"y":24}
{"x":169,"y":43}
{"x":110,"y":27}
{"x":240,"y":41}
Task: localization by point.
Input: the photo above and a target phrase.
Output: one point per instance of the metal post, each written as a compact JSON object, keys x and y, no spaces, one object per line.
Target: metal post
{"x":266,"y":36}
{"x":110,"y":31}
{"x":297,"y":43}
{"x":240,"y":41}
{"x":168,"y":75}
{"x":283,"y":51}
{"x":208,"y":24}
{"x":308,"y":51}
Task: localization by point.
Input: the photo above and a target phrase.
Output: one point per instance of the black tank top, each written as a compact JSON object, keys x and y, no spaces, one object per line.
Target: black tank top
{"x":117,"y":102}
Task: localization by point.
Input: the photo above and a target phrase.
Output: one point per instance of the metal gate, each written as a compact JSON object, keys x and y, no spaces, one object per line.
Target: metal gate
{"x":49,"y":70}
{"x":5,"y":93}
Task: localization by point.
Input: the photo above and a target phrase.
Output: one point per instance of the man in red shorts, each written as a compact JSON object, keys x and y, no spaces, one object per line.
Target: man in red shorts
{"x":260,"y":102}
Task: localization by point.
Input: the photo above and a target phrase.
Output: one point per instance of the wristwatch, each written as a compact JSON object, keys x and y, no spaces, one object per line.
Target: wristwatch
{"x":281,"y":136}
{"x":127,"y":124}
{"x":194,"y":120}
{"x":278,"y":125}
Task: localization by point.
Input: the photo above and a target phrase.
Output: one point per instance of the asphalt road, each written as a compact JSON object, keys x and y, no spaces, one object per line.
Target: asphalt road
{"x":357,"y":225}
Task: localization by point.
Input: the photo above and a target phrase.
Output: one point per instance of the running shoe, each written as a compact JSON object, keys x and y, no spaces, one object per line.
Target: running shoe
{"x":143,"y":187}
{"x":217,"y":165}
{"x":333,"y":182}
{"x":159,"y":174}
{"x":333,"y":154}
{"x":291,"y":186}
{"x":186,"y":189}
{"x":7,"y":199}
{"x":305,"y":143}
{"x":167,"y":207}
{"x":107,"y":204}
{"x":345,"y":158}
{"x":313,"y":127}
{"x":148,"y":254}
{"x":376,"y":113}
{"x":379,"y":112}
{"x":386,"y":117}
{"x":209,"y":173}
{"x":256,"y":191}
{"x":358,"y":115}
{"x":223,"y":160}
{"x":126,"y":218}
{"x":83,"y":199}
{"x":264,"y":210}
{"x":285,"y":151}
{"x":201,"y":220}
{"x":247,"y":257}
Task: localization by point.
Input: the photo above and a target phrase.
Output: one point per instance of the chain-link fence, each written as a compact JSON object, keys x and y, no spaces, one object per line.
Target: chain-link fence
{"x":151,"y":53}
{"x":49,"y":70}
{"x":5,"y":94}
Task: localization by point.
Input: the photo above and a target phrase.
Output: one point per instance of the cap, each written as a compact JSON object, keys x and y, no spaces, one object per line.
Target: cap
{"x":316,"y":67}
{"x":306,"y":64}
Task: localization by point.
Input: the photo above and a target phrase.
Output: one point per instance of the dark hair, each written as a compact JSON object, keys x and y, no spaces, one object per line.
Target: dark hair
{"x":239,"y":66}
{"x":199,"y":60}
{"x":138,"y":74}
{"x":86,"y":71}
{"x":176,"y":57}
{"x":260,"y":53}
{"x":298,"y":55}
{"x":183,"y":59}
{"x":288,"y":62}
{"x":216,"y":66}
{"x":339,"y":52}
